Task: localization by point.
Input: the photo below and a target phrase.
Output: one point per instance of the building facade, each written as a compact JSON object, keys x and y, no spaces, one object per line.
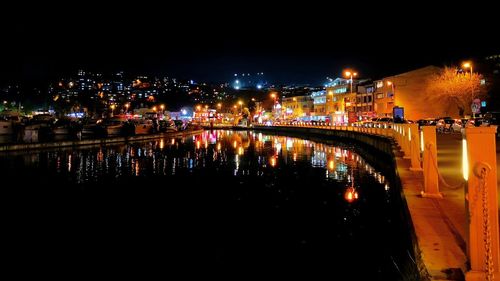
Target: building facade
{"x":409,"y":91}
{"x":297,"y":108}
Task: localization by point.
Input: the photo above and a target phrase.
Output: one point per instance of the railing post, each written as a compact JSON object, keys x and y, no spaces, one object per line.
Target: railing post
{"x":431,"y":184}
{"x":405,"y":141}
{"x":480,"y":172}
{"x":414,"y":147}
{"x":397,"y":134}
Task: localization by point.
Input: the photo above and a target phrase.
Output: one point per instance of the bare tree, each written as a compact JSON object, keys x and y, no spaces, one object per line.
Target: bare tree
{"x":456,"y":87}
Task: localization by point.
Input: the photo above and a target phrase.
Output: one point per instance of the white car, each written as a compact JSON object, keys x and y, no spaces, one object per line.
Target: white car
{"x":457,"y":126}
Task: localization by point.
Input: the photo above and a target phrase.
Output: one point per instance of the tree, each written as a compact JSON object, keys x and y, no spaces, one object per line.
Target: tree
{"x":456,"y":87}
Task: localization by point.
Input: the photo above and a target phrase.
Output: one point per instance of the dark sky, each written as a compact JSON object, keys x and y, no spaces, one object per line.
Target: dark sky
{"x":293,"y":43}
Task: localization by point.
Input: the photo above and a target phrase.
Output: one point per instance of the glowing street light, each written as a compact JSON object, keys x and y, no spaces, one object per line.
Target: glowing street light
{"x":241,"y":105}
{"x":162,"y":107}
{"x":350,"y":74}
{"x":219,"y":105}
{"x":198,"y":107}
{"x":392,"y":85}
{"x":466,"y":65}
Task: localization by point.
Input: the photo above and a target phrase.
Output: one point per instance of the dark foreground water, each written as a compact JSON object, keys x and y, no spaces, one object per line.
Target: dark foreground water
{"x":221,"y":204}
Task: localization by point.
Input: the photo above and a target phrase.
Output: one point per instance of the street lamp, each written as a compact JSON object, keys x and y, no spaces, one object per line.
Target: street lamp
{"x":350,"y":74}
{"x":466,"y":65}
{"x":127,"y":105}
{"x":219,"y":105}
{"x":273,"y":95}
{"x":162,"y":107}
{"x":330,"y":93}
{"x":393,"y":87}
{"x":112,"y":109}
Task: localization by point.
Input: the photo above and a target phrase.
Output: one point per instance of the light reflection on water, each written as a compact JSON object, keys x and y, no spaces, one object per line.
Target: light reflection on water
{"x":221,"y":148}
{"x":299,"y":198}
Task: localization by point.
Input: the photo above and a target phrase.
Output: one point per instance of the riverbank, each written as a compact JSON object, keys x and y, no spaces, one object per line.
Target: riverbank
{"x":438,"y":246}
{"x":101,"y":141}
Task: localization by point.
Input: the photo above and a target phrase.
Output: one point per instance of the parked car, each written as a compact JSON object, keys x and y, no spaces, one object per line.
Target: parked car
{"x":492,"y":118}
{"x":444,"y":125}
{"x":457,"y":126}
{"x":385,"y":122}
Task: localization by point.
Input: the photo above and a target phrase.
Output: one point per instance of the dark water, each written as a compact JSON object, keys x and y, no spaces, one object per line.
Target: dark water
{"x":221,"y":204}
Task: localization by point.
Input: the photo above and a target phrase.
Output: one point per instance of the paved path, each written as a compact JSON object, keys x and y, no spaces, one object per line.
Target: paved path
{"x":450,"y":166}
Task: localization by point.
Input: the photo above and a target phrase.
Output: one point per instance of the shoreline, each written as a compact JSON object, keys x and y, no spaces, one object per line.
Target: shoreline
{"x":101,"y":141}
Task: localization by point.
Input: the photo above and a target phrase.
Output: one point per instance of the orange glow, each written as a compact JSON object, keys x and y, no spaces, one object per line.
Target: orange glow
{"x":235,"y":144}
{"x":331,"y":165}
{"x":198,"y":107}
{"x":349,"y":73}
{"x":198,"y":144}
{"x":272,"y":161}
{"x":273,"y":95}
{"x":389,"y":83}
{"x":351,"y":195}
{"x":172,"y":141}
{"x":467,"y":64}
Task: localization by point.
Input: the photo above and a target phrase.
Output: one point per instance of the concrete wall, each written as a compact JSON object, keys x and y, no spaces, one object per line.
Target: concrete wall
{"x":103,"y":141}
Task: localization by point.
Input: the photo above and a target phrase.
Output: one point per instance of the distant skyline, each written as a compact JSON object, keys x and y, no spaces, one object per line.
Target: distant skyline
{"x":293,"y":46}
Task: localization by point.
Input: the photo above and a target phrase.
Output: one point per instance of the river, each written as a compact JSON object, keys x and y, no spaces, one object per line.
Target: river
{"x":222,"y":203}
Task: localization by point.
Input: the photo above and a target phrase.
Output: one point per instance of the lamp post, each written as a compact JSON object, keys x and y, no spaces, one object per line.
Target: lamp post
{"x":393,"y":87}
{"x":198,"y":110}
{"x":273,"y":95}
{"x":295,"y":107}
{"x":330,"y":93}
{"x":469,"y":65}
{"x":241,"y":106}
{"x":351,"y":74}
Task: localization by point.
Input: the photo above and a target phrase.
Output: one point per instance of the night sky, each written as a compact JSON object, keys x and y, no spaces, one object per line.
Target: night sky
{"x":298,"y":44}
